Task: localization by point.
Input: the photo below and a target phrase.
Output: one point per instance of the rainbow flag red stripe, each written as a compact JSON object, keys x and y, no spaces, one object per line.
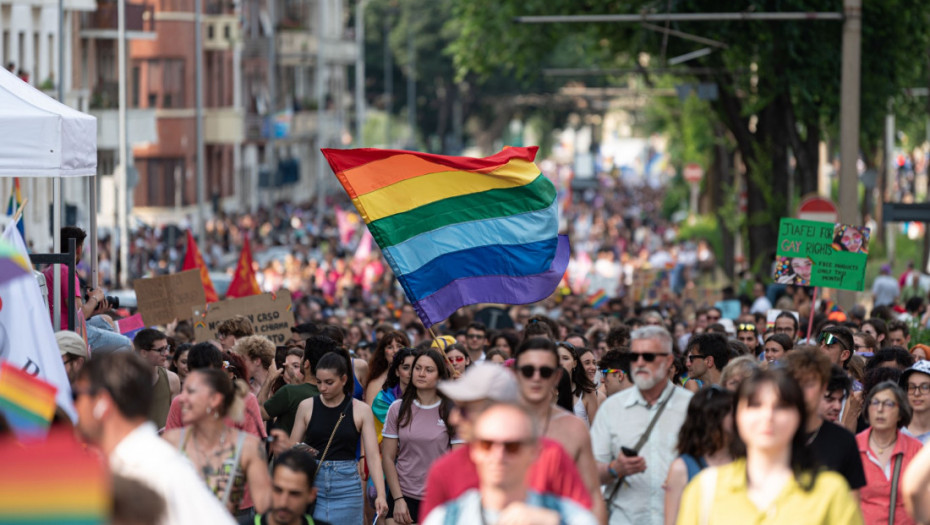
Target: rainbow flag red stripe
{"x":27,"y":402}
{"x":597,"y":299}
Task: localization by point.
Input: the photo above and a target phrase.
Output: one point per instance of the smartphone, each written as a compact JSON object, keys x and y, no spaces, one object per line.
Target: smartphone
{"x":629,"y":452}
{"x":280,"y":354}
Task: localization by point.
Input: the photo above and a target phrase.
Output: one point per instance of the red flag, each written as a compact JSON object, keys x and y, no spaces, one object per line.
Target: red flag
{"x":193,"y":259}
{"x":244,"y":283}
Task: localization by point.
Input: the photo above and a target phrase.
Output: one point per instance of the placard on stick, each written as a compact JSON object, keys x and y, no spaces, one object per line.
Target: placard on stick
{"x":165,"y":298}
{"x":271,"y":316}
{"x":822,"y":254}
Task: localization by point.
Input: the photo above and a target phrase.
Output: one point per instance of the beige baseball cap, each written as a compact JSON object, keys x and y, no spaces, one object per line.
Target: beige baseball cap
{"x":71,"y":343}
{"x":483,"y":381}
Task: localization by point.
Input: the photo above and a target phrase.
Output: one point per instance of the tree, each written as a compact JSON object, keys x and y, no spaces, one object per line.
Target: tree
{"x":778,"y":82}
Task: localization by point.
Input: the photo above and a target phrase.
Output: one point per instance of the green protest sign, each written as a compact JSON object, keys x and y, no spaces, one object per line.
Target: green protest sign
{"x":822,"y":254}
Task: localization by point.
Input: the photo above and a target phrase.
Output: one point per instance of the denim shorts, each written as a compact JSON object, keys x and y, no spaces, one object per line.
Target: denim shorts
{"x":339,"y":493}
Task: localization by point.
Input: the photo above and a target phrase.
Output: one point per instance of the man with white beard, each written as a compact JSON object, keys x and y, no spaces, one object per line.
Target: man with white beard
{"x":634,"y":469}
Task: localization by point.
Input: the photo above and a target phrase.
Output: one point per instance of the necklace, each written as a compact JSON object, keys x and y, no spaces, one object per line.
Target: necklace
{"x":218,"y":451}
{"x":882,"y":448}
{"x":814,"y":435}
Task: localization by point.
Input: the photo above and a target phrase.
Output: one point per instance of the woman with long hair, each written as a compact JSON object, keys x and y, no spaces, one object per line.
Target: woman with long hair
{"x":226,"y":458}
{"x":776,"y":480}
{"x":381,"y":360}
{"x":334,"y":424}
{"x":458,"y":359}
{"x":776,"y":346}
{"x":886,"y":453}
{"x":584,"y":396}
{"x":179,"y":361}
{"x":416,"y":434}
{"x":398,"y":378}
{"x":704,"y":440}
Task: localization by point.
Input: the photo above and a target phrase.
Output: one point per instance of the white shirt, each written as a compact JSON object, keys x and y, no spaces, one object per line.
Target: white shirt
{"x":147,"y":458}
{"x":621,"y":420}
{"x":760,"y":305}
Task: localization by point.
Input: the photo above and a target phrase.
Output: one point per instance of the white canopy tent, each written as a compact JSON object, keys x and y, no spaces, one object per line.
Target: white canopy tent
{"x":41,"y":137}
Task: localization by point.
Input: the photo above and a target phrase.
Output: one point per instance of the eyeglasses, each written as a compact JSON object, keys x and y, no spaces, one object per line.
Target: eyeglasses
{"x":528,"y":371}
{"x":889,"y":404}
{"x":692,"y":357}
{"x":784,"y":330}
{"x":713,"y":318}
{"x":828,"y":339}
{"x":923,"y":389}
{"x":510,"y":447}
{"x":647,"y":356}
{"x":456,"y":358}
{"x":162,"y":349}
{"x":745,"y":327}
{"x":474,"y":336}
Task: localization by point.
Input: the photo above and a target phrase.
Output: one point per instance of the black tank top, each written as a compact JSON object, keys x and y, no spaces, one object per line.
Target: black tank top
{"x":322,"y":421}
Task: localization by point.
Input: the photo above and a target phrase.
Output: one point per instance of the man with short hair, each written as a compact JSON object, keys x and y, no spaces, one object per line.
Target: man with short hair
{"x":748,"y":334}
{"x":73,"y":352}
{"x":292,"y":490}
{"x":761,"y":303}
{"x":837,"y":389}
{"x":536,"y":362}
{"x":713,"y":315}
{"x":152,"y":345}
{"x":615,"y":372}
{"x":233,"y":329}
{"x":899,"y":334}
{"x":504,"y":446}
{"x":832,"y":446}
{"x":482,"y":385}
{"x":282,"y":406}
{"x":916,"y":382}
{"x":112,"y":395}
{"x":476,"y":338}
{"x":706,"y":356}
{"x":885,"y":288}
{"x":634,"y":483}
{"x":837,"y":343}
{"x":786,"y":323}
{"x":890,"y":357}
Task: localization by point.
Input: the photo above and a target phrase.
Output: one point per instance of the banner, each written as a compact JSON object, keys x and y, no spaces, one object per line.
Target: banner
{"x":165,"y":298}
{"x":270,"y":315}
{"x":821,"y":254}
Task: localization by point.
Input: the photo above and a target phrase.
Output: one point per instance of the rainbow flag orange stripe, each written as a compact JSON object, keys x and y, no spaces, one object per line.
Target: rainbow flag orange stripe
{"x":55,"y":481}
{"x":27,"y":402}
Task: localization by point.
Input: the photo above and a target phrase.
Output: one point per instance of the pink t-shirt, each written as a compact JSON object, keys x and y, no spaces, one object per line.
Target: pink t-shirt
{"x":875,"y":496}
{"x":63,"y":308}
{"x":420,"y":442}
{"x":553,"y":472}
{"x":251,"y":421}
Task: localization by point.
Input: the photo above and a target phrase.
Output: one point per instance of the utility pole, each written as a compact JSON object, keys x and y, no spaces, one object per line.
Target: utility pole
{"x":122,"y":198}
{"x":849,"y":121}
{"x":360,"y":73}
{"x":198,"y":121}
{"x":388,"y":80}
{"x":411,"y":85}
{"x":320,"y":113}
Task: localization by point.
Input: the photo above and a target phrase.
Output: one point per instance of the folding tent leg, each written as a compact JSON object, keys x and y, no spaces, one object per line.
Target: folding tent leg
{"x":56,"y":235}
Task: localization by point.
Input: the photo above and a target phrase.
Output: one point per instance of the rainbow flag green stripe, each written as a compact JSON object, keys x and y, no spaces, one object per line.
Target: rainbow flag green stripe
{"x":489,"y":204}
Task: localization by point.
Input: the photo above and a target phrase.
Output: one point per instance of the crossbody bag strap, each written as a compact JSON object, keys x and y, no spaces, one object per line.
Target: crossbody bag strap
{"x":708,"y":488}
{"x":894,"y":487}
{"x":331,"y":436}
{"x":231,"y":480}
{"x":640,"y":443}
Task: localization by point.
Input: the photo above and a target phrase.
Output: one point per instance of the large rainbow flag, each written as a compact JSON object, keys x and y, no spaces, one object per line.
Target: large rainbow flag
{"x":458,"y":230}
{"x":27,"y":402}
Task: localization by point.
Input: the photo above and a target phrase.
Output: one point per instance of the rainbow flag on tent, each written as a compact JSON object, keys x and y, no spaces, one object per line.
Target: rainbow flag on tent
{"x":457,"y":230}
{"x":16,"y":202}
{"x":27,"y":402}
{"x":53,"y":482}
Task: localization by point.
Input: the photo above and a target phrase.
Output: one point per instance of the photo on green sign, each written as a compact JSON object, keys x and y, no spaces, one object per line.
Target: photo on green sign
{"x":793,"y":270}
{"x":849,"y":238}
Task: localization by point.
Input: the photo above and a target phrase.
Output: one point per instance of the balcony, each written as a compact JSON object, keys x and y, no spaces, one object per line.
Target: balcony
{"x":140,"y":127}
{"x":103,"y":23}
{"x":223,"y":126}
{"x":221,"y":31}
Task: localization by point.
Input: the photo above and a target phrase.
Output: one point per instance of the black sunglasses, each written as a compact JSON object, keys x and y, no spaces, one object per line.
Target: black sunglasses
{"x":528,"y":371}
{"x":692,"y":357}
{"x":647,"y":356}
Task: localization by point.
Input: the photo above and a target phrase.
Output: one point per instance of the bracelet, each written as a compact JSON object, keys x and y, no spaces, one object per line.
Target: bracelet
{"x":612,"y":472}
{"x":399,"y":497}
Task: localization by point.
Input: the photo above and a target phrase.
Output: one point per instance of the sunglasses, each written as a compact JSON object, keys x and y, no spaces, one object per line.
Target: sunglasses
{"x":745,"y":327}
{"x":510,"y":447}
{"x":692,"y":357}
{"x":474,"y":336}
{"x":647,"y":356}
{"x":78,"y":392}
{"x":162,"y":349}
{"x":828,"y":339}
{"x":529,"y":371}
{"x":456,"y":359}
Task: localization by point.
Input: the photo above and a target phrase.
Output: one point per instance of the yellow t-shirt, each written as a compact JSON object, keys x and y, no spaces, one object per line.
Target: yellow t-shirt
{"x":828,"y":502}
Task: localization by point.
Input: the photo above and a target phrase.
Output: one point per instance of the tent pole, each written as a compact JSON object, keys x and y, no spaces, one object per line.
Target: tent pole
{"x":92,"y":205}
{"x":56,"y":229}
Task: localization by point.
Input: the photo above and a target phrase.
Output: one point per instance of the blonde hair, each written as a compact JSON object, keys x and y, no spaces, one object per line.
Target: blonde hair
{"x":741,"y":366}
{"x":256,"y":347}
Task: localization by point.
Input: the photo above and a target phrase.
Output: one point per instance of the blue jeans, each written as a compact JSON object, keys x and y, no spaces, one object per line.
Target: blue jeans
{"x":103,"y":339}
{"x":339,"y":497}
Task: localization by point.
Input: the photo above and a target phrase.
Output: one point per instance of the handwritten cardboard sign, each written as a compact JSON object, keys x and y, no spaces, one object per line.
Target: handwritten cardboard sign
{"x":270,"y":315}
{"x":823,"y":254}
{"x":165,"y":298}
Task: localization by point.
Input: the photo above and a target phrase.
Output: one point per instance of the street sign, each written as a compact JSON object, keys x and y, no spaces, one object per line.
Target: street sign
{"x":816,"y":208}
{"x":693,"y":173}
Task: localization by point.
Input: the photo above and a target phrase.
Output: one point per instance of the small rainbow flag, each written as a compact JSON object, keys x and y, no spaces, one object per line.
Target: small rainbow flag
{"x":56,"y":481}
{"x":597,"y":299}
{"x":27,"y":402}
{"x":16,"y":200}
{"x":459,"y":230}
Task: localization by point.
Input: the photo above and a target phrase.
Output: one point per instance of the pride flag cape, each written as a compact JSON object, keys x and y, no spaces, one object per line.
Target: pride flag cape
{"x":53,"y":482}
{"x":27,"y":402}
{"x":457,"y":230}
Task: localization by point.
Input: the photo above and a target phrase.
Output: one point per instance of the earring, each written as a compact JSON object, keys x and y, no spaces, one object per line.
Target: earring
{"x":209,"y":411}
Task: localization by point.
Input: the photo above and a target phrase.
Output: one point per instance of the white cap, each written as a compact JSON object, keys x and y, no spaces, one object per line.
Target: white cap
{"x":482,"y":381}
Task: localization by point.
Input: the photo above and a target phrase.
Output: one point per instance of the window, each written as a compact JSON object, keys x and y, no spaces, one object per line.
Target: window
{"x":164,"y":83}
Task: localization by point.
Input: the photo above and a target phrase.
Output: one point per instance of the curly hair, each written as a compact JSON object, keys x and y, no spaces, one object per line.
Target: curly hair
{"x":703,"y":433}
{"x":256,"y":347}
{"x":378,"y":363}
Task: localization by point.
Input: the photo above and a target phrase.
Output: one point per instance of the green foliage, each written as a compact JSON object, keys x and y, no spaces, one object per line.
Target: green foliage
{"x":704,"y":228}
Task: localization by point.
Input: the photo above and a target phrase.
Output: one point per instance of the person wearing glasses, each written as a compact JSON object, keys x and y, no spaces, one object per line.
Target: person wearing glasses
{"x":622,"y":421}
{"x":837,"y":342}
{"x":152,"y":346}
{"x":831,"y":445}
{"x":883,"y":446}
{"x":706,"y":356}
{"x":476,"y":339}
{"x":916,"y":382}
{"x":536,"y":363}
{"x":615,"y":372}
{"x":747,"y":334}
{"x":458,"y":358}
{"x":504,"y":446}
{"x":713,"y":315}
